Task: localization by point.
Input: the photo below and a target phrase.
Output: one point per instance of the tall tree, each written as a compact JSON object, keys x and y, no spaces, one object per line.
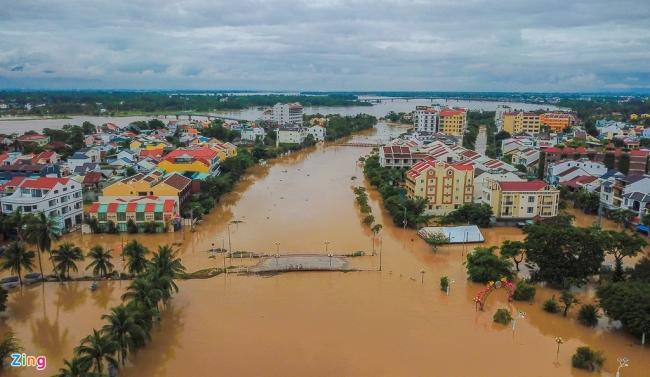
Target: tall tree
{"x":8,"y":345}
{"x":41,"y":230}
{"x":483,"y":265}
{"x":100,"y":261}
{"x":97,"y":349}
{"x":124,"y":330}
{"x":17,"y":258}
{"x":136,"y":257}
{"x":622,"y":245}
{"x":76,"y":368}
{"x":628,"y":302}
{"x":513,"y":250}
{"x":65,"y":258}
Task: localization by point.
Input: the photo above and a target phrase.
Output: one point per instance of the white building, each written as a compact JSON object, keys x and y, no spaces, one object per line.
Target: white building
{"x":252,"y":133}
{"x":563,"y":171}
{"x":425,"y":119}
{"x":289,"y":135}
{"x":60,"y":197}
{"x":288,"y":113}
{"x":317,"y":131}
{"x":498,"y":116}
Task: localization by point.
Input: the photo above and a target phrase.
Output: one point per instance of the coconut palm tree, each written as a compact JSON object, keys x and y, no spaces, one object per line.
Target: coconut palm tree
{"x":165,"y":266}
{"x":124,"y":330}
{"x":40,"y":231}
{"x":76,"y":368}
{"x":101,"y":261}
{"x":8,"y":345}
{"x":144,"y":291}
{"x":136,"y":257}
{"x":65,"y":257}
{"x":95,"y":350}
{"x":18,"y":220}
{"x":17,"y":258}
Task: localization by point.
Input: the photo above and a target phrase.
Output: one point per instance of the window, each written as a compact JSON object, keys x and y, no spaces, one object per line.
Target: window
{"x":121,"y":216}
{"x":139,"y":216}
{"x":158,"y":216}
{"x":531,"y":199}
{"x":52,"y":202}
{"x":27,"y":208}
{"x":530,"y":209}
{"x":9,"y":207}
{"x":101,"y":216}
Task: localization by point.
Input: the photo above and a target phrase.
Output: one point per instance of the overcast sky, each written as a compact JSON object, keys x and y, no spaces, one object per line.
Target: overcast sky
{"x":506,"y":45}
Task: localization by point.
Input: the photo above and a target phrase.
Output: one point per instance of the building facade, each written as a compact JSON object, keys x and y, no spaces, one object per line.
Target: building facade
{"x":162,"y":212}
{"x":521,"y":199}
{"x":288,"y":113}
{"x":446,"y":186}
{"x":59,"y":197}
{"x":520,"y":122}
{"x":425,"y":119}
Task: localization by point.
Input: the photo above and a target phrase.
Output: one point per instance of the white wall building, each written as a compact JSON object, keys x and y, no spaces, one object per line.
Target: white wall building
{"x":425,"y":119}
{"x":317,"y":131}
{"x":563,"y":171}
{"x":288,"y":113}
{"x":59,"y":197}
{"x":252,"y":133}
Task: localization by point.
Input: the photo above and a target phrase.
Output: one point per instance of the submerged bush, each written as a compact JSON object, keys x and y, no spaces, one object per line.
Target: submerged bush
{"x":444,"y":283}
{"x":586,"y":358}
{"x":502,"y":316}
{"x":588,"y":315}
{"x":551,"y":306}
{"x":524,"y":292}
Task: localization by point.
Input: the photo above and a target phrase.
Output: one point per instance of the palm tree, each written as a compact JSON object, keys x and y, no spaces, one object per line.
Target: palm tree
{"x":65,"y":257}
{"x":144,"y":291}
{"x":375,"y":231}
{"x":18,"y":221}
{"x":8,"y":346}
{"x":124,"y":330}
{"x":101,"y":261}
{"x":95,"y":350}
{"x":18,"y":258}
{"x":135,"y":254}
{"x":165,"y":266}
{"x":41,"y":230}
{"x":75,"y":368}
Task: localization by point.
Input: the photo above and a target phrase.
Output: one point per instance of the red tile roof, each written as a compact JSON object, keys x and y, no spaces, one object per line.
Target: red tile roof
{"x":431,"y":163}
{"x":14,"y":182}
{"x":44,"y":182}
{"x":92,"y":177}
{"x":451,"y":112}
{"x":534,"y":185}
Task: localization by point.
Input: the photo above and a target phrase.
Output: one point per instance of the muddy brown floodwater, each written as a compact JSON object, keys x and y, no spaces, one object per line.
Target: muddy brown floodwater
{"x":391,"y":323}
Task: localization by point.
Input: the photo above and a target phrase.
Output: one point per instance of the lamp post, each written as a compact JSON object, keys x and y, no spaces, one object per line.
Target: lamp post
{"x":380,"y":247}
{"x":223,"y":251}
{"x":277,"y":256}
{"x":404,"y":221}
{"x":422,"y":272}
{"x":277,"y":248}
{"x":559,"y":341}
{"x":521,"y":315}
{"x":229,"y":243}
{"x":449,"y":285}
{"x":330,"y":255}
{"x":326,"y":246}
{"x":622,"y":363}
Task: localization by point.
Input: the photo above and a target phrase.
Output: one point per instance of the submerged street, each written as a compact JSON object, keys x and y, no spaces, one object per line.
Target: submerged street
{"x":396,"y":322}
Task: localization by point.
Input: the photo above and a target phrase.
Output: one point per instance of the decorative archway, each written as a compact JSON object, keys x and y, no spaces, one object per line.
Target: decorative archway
{"x":491,"y":286}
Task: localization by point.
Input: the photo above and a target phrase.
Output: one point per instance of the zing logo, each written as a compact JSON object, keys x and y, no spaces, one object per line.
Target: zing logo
{"x":22,"y":360}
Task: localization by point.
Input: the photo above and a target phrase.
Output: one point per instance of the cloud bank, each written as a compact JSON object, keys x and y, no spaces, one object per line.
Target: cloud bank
{"x":508,"y":45}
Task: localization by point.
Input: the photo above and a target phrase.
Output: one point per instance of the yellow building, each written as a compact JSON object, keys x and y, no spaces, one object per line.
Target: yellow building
{"x":446,"y":186}
{"x":197,"y":160}
{"x":146,"y":145}
{"x":452,"y":121}
{"x":521,"y":199}
{"x":520,"y":122}
{"x":557,"y":122}
{"x":155,"y":183}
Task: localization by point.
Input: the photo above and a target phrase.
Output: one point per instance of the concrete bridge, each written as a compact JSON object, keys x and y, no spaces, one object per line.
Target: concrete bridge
{"x":190,"y":114}
{"x":362,"y":144}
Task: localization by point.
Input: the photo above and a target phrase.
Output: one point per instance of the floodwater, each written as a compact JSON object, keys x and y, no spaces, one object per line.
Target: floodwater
{"x":395,"y":322}
{"x":21,"y":124}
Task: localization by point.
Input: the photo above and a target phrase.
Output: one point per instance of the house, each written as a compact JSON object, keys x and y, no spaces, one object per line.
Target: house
{"x":197,"y":160}
{"x":32,"y":139}
{"x":92,"y":183}
{"x":521,"y":200}
{"x":627,"y":192}
{"x":446,"y":186}
{"x":86,"y":167}
{"x":46,"y":157}
{"x":163,"y":212}
{"x":78,"y":159}
{"x":563,"y":171}
{"x":60,"y":197}
{"x":251,"y":134}
{"x":289,"y":135}
{"x":317,"y":132}
{"x":28,"y":170}
{"x":155,"y":183}
{"x":638,"y":159}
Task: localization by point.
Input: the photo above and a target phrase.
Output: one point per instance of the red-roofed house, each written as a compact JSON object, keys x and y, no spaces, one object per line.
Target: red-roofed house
{"x":32,"y":139}
{"x":196,"y":160}
{"x":148,"y":213}
{"x":447,"y":186}
{"x":60,"y":197}
{"x":517,"y":200}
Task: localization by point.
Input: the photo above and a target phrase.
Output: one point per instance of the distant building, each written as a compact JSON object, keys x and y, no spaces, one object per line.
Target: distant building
{"x":198,"y":160}
{"x":60,"y":197}
{"x":32,"y":139}
{"x":638,"y":159}
{"x":563,"y":171}
{"x":556,"y":121}
{"x":288,"y":113}
{"x":425,"y":119}
{"x":446,"y":186}
{"x":520,"y":122}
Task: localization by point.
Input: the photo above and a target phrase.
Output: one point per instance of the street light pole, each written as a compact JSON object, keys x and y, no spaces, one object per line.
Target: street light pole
{"x":559,"y":341}
{"x":404,"y":221}
{"x":422,"y":272}
{"x":326,"y":246}
{"x":449,"y":285}
{"x":622,"y":363}
{"x":521,"y":315}
{"x":330,"y":255}
{"x":381,"y":245}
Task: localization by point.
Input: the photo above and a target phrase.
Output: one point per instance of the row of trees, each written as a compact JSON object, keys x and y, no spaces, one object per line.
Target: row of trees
{"x":404,"y":211}
{"x":128,"y":326}
{"x":471,"y":213}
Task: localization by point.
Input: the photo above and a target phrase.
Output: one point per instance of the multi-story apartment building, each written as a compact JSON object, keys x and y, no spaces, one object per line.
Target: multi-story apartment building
{"x":520,"y":122}
{"x":288,"y":113}
{"x":521,"y":199}
{"x":453,"y":121}
{"x":425,"y":119}
{"x":60,"y":197}
{"x":446,"y":186}
{"x":498,"y":115}
{"x":562,"y":171}
{"x":556,"y":121}
{"x":626,"y":192}
{"x":446,"y":120}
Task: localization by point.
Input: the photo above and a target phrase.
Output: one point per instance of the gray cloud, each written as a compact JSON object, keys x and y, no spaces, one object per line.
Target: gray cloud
{"x":326,"y":44}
